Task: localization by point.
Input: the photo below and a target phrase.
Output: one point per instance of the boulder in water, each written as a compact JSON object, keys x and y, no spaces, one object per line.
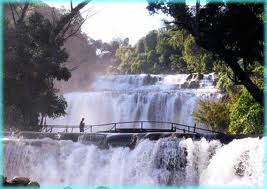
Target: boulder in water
{"x":240,"y":167}
{"x":20,"y":180}
{"x":194,"y":84}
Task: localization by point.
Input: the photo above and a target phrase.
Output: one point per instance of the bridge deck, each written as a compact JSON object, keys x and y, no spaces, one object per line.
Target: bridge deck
{"x":138,"y":130}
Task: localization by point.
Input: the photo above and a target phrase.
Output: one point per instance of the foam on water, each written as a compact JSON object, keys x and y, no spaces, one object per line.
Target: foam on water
{"x":168,"y":161}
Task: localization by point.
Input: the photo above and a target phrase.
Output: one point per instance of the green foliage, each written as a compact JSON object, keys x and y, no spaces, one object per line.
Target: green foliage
{"x":140,"y":46}
{"x":124,"y":54}
{"x":194,"y":56}
{"x":165,"y":51}
{"x":239,"y":114}
{"x":225,"y":83}
{"x":213,"y":113}
{"x":150,"y":41}
{"x":246,"y":116}
{"x":32,"y":61}
{"x":12,"y":117}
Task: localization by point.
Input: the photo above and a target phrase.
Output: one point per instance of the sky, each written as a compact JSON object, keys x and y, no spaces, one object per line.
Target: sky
{"x":117,"y":20}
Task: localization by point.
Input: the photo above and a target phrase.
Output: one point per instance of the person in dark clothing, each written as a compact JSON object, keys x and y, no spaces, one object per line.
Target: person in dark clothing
{"x":82,"y":124}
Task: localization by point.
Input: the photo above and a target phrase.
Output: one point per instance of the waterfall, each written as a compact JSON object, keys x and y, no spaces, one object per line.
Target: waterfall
{"x":115,"y":98}
{"x":168,"y":161}
{"x":165,"y":161}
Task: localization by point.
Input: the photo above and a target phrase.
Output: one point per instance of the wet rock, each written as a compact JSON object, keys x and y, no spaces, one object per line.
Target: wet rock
{"x":194,"y":84}
{"x":20,"y":180}
{"x":184,"y":85}
{"x":240,"y":167}
{"x":210,"y":77}
{"x":200,"y":76}
{"x":119,"y":140}
{"x":149,"y":80}
{"x":170,"y":156}
{"x":153,"y":136}
{"x":95,"y":139}
{"x":34,"y":184}
{"x":102,"y":187}
{"x":189,"y":77}
{"x":134,"y":141}
{"x":3,"y":179}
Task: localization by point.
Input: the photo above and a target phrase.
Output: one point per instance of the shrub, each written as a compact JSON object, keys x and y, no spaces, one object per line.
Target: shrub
{"x":246,"y":116}
{"x":213,"y":113}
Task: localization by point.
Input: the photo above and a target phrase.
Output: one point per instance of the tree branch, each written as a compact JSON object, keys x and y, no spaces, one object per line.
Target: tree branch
{"x":235,"y":80}
{"x":66,"y":18}
{"x":13,"y":15}
{"x":23,"y":13}
{"x":75,"y":31}
{"x":71,"y":6}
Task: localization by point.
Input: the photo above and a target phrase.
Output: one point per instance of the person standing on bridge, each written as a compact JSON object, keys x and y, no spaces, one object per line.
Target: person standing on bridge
{"x":82,"y":124}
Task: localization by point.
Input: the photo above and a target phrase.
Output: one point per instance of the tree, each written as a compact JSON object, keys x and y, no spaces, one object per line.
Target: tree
{"x":33,"y":58}
{"x":230,"y":31}
{"x":171,"y":50}
{"x":150,"y":41}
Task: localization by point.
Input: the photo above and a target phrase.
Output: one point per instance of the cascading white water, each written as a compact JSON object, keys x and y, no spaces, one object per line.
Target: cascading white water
{"x":168,"y":161}
{"x":115,"y":98}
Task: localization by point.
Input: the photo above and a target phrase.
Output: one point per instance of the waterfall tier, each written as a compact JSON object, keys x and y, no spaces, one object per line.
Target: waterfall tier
{"x":168,"y":161}
{"x":116,"y":98}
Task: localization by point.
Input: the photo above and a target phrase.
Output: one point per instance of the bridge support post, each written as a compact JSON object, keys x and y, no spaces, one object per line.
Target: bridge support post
{"x":195,"y":128}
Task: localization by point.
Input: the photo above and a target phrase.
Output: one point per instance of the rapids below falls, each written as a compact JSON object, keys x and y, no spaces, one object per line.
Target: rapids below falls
{"x":166,"y":161}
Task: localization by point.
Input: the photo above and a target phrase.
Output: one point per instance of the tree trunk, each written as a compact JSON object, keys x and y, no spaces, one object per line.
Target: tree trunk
{"x":253,"y":89}
{"x":42,"y":119}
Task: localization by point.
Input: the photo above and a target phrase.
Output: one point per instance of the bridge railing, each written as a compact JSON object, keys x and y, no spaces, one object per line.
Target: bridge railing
{"x":139,"y":126}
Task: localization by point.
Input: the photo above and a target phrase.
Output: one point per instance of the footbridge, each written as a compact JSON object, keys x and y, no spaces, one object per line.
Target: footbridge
{"x":127,"y":133}
{"x":131,"y":127}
